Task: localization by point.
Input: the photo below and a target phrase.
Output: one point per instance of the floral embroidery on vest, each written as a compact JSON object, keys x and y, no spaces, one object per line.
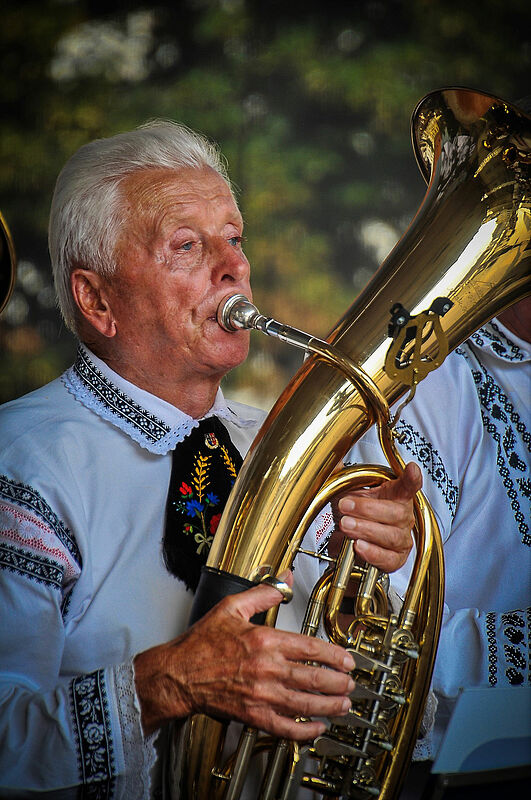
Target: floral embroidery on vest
{"x":204,"y":469}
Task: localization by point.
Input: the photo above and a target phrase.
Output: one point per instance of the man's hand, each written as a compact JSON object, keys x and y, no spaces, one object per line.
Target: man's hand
{"x":380,"y":520}
{"x":227,"y":667}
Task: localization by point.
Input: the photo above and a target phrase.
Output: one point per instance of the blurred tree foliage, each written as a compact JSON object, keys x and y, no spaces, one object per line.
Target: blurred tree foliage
{"x":310,"y":102}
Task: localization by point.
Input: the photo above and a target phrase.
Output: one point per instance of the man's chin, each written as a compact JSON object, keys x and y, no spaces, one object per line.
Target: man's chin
{"x":231,"y":353}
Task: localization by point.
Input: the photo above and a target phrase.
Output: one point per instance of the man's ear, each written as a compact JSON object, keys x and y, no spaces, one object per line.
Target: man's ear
{"x":90,"y":295}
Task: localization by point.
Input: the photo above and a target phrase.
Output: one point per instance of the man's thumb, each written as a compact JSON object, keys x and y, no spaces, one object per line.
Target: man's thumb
{"x":405,"y":487}
{"x":271,"y":592}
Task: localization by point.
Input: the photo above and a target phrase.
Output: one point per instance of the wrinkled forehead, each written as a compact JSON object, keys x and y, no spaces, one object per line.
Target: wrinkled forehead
{"x":148,"y":193}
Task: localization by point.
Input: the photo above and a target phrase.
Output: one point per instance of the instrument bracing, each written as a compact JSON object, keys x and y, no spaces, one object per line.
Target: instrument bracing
{"x":464,"y":259}
{"x":7,"y":264}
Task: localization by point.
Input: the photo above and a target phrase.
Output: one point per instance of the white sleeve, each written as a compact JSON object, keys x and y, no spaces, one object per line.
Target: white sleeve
{"x":479,"y":648}
{"x":475,"y":649}
{"x":56,"y":730}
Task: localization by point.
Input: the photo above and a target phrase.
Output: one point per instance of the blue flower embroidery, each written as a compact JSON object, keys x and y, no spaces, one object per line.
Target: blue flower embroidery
{"x":194,"y":507}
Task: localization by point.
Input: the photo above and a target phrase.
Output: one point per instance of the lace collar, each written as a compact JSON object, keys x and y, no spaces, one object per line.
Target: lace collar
{"x":152,"y":422}
{"x":502,"y":342}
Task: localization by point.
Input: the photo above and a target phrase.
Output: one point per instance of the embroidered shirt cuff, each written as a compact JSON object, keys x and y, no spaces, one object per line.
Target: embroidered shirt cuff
{"x":138,"y":750}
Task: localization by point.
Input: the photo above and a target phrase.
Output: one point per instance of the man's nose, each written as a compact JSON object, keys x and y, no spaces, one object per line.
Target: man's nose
{"x":230,"y":263}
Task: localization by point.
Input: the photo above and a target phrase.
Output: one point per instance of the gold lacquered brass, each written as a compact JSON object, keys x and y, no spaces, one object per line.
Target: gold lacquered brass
{"x":7,"y":263}
{"x":466,"y":254}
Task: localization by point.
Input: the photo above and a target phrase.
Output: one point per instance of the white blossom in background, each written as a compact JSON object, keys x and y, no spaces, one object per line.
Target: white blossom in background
{"x":362,"y":143}
{"x":29,"y":277}
{"x":349,"y":40}
{"x":17,"y":310}
{"x":378,"y":237}
{"x":117,"y":52}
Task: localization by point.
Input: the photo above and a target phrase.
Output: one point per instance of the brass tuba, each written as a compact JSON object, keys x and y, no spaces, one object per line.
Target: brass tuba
{"x":465,"y":257}
{"x":7,"y":264}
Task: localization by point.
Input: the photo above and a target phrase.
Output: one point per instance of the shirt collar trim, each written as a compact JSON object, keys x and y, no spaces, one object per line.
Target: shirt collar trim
{"x":150,"y":421}
{"x":501,"y":342}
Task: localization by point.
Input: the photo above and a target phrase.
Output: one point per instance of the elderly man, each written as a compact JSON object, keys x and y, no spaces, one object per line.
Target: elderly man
{"x":97,"y":577}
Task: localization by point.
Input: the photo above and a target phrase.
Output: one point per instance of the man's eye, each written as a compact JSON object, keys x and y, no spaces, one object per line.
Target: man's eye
{"x":187,"y":246}
{"x":235,"y":240}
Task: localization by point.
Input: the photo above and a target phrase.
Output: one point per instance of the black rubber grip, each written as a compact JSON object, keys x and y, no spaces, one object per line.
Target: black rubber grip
{"x":214,"y":585}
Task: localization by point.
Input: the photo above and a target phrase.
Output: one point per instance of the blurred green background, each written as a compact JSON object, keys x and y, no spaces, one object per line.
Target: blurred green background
{"x":310,"y":102}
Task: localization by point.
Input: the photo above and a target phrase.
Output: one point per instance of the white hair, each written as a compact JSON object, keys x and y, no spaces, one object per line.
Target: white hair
{"x":87,"y":205}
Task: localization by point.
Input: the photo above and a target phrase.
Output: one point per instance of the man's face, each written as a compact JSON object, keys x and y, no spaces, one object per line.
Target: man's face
{"x":179,"y":255}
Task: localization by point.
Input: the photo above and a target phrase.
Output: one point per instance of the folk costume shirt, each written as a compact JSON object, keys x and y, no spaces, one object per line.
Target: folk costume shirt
{"x":468,"y":428}
{"x":85,"y":468}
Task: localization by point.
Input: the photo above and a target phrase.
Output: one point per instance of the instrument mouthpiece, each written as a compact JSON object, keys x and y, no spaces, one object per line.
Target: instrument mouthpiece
{"x":236,"y":312}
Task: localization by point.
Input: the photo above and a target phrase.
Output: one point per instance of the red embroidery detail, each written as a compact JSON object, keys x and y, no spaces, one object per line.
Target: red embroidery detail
{"x":185,"y":490}
{"x":326,"y":526}
{"x":214,"y":522}
{"x":35,"y":543}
